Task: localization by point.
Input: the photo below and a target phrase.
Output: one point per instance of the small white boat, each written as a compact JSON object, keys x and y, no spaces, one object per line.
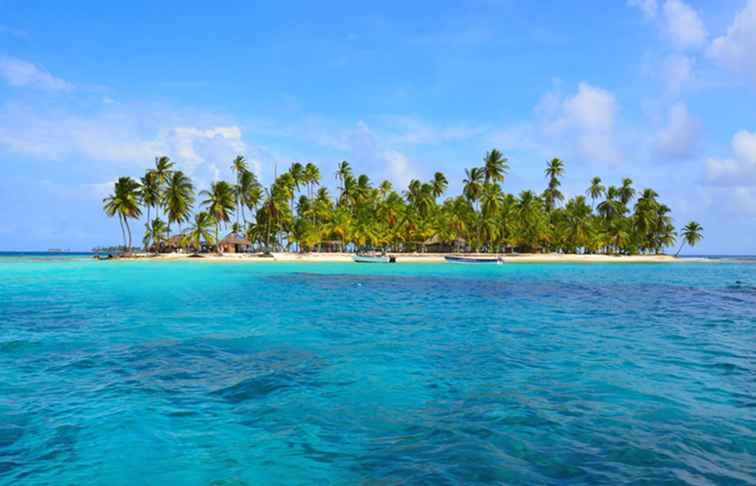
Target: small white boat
{"x":474,"y":260}
{"x":373,"y":259}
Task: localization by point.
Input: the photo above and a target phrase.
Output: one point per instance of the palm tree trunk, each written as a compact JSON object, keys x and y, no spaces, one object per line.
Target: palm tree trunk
{"x":128,"y":230}
{"x":680,"y":249}
{"x":123,"y":231}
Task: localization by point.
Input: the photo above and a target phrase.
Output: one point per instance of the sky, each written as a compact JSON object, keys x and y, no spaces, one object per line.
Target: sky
{"x":661,"y":91}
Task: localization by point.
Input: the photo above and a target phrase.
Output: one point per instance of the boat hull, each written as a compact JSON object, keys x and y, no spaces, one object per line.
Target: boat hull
{"x":372,"y":259}
{"x":474,"y":260}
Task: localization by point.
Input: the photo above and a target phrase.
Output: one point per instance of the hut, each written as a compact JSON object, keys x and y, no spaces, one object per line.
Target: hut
{"x":174,"y":244}
{"x":234,"y":243}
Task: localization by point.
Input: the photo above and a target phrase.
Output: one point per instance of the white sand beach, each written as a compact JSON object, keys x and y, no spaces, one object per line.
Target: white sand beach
{"x":404,"y":258}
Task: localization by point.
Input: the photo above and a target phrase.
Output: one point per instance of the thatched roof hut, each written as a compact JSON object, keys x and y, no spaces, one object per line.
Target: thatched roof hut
{"x":234,"y":243}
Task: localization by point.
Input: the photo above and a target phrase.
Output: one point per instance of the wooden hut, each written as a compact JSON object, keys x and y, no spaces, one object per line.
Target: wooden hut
{"x":234,"y":243}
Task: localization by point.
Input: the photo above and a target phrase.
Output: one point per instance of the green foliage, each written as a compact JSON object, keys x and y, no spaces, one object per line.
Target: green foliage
{"x":296,"y":214}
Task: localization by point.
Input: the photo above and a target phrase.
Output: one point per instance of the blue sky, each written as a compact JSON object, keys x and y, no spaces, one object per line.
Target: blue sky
{"x":662,"y":91}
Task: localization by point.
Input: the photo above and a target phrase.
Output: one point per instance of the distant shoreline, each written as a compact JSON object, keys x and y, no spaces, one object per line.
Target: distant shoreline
{"x":405,"y":258}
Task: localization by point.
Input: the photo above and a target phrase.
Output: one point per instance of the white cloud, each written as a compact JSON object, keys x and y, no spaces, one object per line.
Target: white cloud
{"x":737,"y":48}
{"x":648,"y":7}
{"x":677,"y":71}
{"x":125,"y":136}
{"x":584,"y":120}
{"x":678,"y":139}
{"x":683,"y":24}
{"x":739,"y":170}
{"x":399,"y":167}
{"x":19,"y":73}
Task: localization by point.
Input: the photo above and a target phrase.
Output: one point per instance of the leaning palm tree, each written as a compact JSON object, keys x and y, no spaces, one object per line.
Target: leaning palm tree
{"x":691,"y":234}
{"x":124,"y":202}
{"x":495,"y":166}
{"x":178,"y":198}
{"x":220,"y":201}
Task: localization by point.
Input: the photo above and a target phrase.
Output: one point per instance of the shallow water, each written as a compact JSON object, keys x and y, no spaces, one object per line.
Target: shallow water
{"x":220,"y":373}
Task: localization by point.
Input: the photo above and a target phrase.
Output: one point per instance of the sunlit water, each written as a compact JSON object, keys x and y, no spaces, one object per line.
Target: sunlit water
{"x":212,"y":373}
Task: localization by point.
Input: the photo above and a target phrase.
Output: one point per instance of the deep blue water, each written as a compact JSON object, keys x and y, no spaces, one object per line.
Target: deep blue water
{"x":212,"y":373}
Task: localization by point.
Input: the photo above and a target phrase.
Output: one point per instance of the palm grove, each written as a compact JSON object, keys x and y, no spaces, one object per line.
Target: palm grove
{"x":296,"y":213}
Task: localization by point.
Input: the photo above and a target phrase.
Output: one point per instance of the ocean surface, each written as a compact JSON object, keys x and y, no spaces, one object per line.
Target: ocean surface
{"x":204,"y":373}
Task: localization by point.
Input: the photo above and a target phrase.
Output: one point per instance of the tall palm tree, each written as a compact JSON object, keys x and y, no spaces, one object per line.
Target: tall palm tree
{"x":473,"y":184}
{"x":248,"y":193}
{"x":297,"y":174}
{"x":626,"y":191}
{"x":595,"y":191}
{"x":124,"y":202}
{"x":239,"y":167}
{"x":311,"y":178}
{"x":150,"y":191}
{"x":554,"y":168}
{"x":162,"y":170}
{"x":179,"y":198}
{"x":439,"y":184}
{"x":691,"y":234}
{"x":495,"y":166}
{"x":220,"y":201}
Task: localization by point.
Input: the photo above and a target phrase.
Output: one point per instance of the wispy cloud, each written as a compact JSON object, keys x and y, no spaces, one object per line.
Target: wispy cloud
{"x":583,"y":121}
{"x":740,"y":168}
{"x":20,"y":73}
{"x":737,"y":48}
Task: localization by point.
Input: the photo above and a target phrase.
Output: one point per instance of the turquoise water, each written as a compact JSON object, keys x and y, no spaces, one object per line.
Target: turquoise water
{"x":210,"y":373}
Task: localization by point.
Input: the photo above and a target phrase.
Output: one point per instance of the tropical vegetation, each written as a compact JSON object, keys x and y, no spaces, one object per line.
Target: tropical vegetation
{"x":297,"y":213}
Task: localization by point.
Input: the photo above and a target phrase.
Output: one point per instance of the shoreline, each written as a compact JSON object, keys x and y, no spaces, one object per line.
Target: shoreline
{"x":288,"y":257}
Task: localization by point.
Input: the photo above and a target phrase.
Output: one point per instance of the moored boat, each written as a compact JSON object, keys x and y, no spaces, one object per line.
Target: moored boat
{"x":474,"y":260}
{"x":373,"y":259}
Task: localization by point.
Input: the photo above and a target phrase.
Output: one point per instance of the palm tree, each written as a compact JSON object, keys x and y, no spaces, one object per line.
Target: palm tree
{"x":626,"y":191}
{"x":692,"y":233}
{"x":220,"y":201}
{"x":595,"y":191}
{"x":155,"y":234}
{"x":124,"y":202}
{"x":248,"y":193}
{"x":473,"y":184}
{"x":554,"y":168}
{"x":311,"y":177}
{"x":179,"y":199}
{"x":162,"y":171}
{"x":239,"y":167}
{"x":495,"y":166}
{"x":150,"y":191}
{"x":200,"y":231}
{"x":439,"y":184}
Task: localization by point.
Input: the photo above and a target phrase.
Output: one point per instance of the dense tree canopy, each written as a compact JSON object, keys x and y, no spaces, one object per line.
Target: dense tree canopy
{"x":296,"y":213}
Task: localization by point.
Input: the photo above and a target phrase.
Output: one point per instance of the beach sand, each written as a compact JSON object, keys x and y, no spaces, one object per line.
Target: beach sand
{"x":406,"y":258}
